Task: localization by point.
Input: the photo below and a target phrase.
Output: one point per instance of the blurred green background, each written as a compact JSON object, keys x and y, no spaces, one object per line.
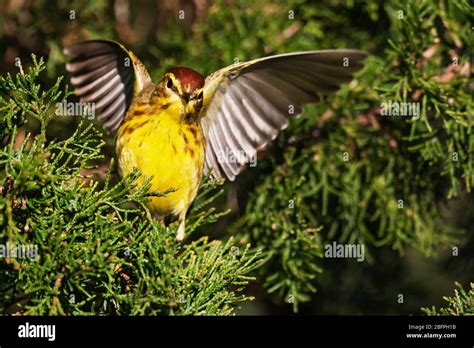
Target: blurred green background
{"x":208,"y":35}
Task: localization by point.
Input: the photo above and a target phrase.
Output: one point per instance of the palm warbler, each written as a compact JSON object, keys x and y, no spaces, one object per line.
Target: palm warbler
{"x":185,"y":125}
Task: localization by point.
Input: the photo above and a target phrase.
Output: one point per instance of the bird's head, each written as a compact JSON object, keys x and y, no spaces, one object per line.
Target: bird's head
{"x":183,"y":87}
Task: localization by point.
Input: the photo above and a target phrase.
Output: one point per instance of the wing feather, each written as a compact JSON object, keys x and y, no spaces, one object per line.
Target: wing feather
{"x":111,"y":109}
{"x":109,"y":76}
{"x":247,"y":104}
{"x":225,"y":142}
{"x":88,"y":76}
{"x":218,"y":148}
{"x":246,"y":130}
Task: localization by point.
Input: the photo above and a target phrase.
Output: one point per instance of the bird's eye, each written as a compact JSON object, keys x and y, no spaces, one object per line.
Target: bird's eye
{"x":200,"y":96}
{"x":169,"y":83}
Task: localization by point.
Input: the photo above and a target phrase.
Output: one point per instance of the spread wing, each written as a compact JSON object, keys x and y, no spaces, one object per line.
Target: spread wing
{"x":247,"y":104}
{"x":107,"y":74}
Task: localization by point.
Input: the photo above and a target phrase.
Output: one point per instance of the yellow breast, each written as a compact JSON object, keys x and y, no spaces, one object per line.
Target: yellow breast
{"x":169,"y":151}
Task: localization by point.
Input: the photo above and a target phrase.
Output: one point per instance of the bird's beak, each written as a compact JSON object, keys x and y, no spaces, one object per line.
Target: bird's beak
{"x":186,"y":97}
{"x":191,"y":107}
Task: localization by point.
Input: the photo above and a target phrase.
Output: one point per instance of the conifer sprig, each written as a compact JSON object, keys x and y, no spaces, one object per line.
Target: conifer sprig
{"x":97,"y":251}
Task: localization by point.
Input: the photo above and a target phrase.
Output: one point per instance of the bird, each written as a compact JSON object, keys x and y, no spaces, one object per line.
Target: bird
{"x":184,"y":126}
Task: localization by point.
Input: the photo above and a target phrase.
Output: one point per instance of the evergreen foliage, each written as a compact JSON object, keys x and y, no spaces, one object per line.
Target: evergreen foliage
{"x":341,"y":172}
{"x":462,"y":303}
{"x":355,"y":176}
{"x":97,"y":254}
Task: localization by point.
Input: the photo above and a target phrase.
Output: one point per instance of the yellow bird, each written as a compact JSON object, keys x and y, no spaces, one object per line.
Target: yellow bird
{"x":183,"y":126}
